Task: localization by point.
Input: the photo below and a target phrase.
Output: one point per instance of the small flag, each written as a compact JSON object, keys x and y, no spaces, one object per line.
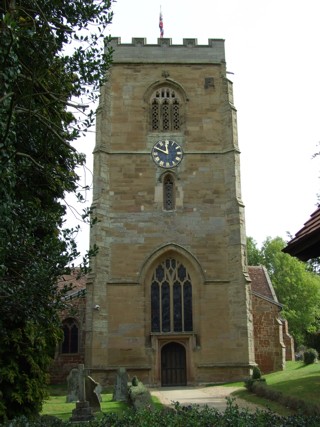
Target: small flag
{"x":161,"y":25}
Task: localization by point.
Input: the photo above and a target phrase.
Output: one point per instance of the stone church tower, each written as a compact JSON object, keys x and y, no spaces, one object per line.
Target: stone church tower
{"x":169,"y":296}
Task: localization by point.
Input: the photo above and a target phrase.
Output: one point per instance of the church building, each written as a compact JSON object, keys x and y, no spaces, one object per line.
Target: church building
{"x":169,"y":294}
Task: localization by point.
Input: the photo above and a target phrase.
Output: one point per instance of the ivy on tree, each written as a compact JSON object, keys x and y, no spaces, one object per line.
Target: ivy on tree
{"x":51,"y":56}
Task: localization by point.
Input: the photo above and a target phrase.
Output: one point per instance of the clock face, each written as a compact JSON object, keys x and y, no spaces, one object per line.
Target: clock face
{"x":167,"y":153}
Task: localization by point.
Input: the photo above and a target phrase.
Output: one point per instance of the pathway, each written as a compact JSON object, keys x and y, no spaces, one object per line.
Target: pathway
{"x":210,"y":396}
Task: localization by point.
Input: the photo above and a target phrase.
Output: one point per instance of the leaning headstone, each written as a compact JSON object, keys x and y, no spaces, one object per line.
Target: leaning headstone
{"x":91,"y":394}
{"x":120,"y":392}
{"x":73,"y":385}
{"x":98,"y":391}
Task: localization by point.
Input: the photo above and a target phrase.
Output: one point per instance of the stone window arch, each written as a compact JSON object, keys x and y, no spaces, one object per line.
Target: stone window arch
{"x":70,"y":343}
{"x":169,"y":192}
{"x":171,"y":298}
{"x":165,"y":107}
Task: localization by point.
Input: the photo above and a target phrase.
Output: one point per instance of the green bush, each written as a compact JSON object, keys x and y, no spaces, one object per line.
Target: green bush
{"x":263,"y":391}
{"x":189,"y":416}
{"x":310,"y":356}
{"x":256,"y":373}
{"x":250,"y":383}
{"x":135,"y":381}
{"x":255,"y":378}
{"x":43,"y":421}
{"x":139,"y":396}
{"x":297,"y":405}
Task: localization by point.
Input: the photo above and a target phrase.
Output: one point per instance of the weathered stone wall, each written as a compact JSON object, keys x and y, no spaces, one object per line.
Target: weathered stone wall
{"x":205,"y":231}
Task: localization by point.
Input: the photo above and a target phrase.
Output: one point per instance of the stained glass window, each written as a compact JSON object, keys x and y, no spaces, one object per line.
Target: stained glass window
{"x":165,"y":305}
{"x":187,"y":300}
{"x":160,"y":273}
{"x":177,"y":311}
{"x":171,"y":298}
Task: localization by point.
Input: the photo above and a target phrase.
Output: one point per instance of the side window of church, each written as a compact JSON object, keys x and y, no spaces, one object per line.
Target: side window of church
{"x":171,"y":298}
{"x":70,"y":342}
{"x":165,"y":110}
{"x":169,"y":192}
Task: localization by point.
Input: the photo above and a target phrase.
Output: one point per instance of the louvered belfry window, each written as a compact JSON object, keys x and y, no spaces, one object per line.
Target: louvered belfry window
{"x":171,"y":298}
{"x":165,"y":110}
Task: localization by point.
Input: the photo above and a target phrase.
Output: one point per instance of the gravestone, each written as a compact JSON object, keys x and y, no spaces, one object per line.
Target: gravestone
{"x":82,"y":411}
{"x":120,"y":392}
{"x":92,"y":396}
{"x":73,"y":385}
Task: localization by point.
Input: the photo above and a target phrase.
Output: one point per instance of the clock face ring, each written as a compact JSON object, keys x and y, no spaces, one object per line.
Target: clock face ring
{"x":167,"y":153}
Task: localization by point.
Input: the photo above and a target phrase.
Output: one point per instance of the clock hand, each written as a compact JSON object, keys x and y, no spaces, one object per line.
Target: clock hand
{"x":166,"y":151}
{"x":166,"y":144}
{"x":162,"y":151}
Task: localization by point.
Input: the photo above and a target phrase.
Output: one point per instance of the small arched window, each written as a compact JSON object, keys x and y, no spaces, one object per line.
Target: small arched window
{"x":165,"y":110}
{"x":70,"y":342}
{"x":169,"y":196}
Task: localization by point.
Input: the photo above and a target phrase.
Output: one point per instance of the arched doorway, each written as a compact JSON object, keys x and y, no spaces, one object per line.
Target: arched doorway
{"x":173,"y":365}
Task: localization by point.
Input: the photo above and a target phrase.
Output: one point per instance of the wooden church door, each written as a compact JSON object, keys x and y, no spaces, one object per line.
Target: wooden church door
{"x":173,"y":365}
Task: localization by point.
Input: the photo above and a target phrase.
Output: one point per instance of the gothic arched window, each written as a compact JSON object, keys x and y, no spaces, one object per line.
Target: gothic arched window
{"x":169,"y":192}
{"x":70,"y":342}
{"x":171,"y":298}
{"x":165,"y":110}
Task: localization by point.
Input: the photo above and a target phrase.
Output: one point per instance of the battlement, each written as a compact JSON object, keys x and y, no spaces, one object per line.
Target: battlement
{"x":165,"y":52}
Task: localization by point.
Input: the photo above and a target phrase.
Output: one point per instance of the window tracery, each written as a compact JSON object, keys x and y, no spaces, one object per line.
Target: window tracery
{"x":165,"y":110}
{"x":70,"y":342}
{"x":171,"y":298}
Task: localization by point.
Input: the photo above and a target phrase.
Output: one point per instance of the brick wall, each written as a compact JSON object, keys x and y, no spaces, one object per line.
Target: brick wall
{"x":63,"y":363}
{"x":268,"y":337}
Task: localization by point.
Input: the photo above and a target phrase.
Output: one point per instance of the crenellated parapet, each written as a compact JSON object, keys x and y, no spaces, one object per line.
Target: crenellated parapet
{"x":165,"y":52}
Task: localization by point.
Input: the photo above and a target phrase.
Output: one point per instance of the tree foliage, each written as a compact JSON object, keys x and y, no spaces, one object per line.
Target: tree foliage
{"x":297,"y":288}
{"x":49,"y":56}
{"x":254,"y":255}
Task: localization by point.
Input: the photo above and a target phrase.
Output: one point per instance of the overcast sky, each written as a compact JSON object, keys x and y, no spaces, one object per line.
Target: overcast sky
{"x":272,"y":47}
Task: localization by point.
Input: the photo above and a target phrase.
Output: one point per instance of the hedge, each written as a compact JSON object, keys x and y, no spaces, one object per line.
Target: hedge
{"x":191,"y":416}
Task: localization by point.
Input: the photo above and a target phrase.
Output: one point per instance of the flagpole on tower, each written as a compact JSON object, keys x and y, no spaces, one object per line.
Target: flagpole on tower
{"x":161,"y":24}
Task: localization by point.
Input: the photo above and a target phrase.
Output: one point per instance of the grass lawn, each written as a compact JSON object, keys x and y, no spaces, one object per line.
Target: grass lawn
{"x":56,"y":404}
{"x":297,"y":380}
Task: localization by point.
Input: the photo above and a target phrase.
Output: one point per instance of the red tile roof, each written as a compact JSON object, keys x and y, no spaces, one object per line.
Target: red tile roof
{"x":77,"y":282}
{"x":306,"y":243}
{"x":261,"y":284}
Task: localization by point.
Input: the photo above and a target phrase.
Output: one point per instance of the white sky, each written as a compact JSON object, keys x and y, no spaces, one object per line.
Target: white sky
{"x":272,"y":47}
